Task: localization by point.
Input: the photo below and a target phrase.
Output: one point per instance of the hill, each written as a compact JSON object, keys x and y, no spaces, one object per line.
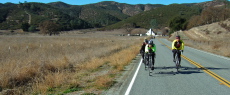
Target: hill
{"x":103,"y":13}
{"x":218,"y":31}
{"x":14,"y":16}
{"x":68,"y":16}
{"x":162,"y":15}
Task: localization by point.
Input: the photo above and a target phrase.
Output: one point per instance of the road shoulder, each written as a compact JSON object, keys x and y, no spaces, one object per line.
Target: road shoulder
{"x":123,"y":80}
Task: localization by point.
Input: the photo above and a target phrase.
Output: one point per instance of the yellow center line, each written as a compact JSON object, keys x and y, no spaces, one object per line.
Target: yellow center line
{"x":222,"y":80}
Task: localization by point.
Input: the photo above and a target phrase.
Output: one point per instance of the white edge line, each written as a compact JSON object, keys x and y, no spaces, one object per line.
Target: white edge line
{"x":133,"y":79}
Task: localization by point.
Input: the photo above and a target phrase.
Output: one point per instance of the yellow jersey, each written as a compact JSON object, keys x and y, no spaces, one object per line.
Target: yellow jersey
{"x":178,"y":45}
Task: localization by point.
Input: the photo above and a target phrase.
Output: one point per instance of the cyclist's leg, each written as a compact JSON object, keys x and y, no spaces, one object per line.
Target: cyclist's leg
{"x":153,"y":57}
{"x":153,"y":60}
{"x":179,"y":56}
{"x":143,"y":56}
{"x":147,"y":58}
{"x":174,"y":53}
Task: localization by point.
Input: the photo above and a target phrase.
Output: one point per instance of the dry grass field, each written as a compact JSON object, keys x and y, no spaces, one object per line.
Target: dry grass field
{"x":80,"y":61}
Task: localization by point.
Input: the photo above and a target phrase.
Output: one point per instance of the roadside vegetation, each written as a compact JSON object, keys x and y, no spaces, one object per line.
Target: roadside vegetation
{"x":84,"y":63}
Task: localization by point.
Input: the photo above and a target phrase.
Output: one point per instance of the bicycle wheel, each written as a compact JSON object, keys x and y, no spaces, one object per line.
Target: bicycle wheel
{"x":177,"y":61}
{"x":150,"y":64}
{"x":146,"y":62}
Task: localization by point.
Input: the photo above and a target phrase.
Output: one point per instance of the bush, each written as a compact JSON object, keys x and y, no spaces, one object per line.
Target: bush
{"x":177,"y":23}
{"x":25,"y":26}
{"x":32,"y":28}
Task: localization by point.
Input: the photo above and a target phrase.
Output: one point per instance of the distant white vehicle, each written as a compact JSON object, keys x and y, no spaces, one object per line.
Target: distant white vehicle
{"x":150,"y":33}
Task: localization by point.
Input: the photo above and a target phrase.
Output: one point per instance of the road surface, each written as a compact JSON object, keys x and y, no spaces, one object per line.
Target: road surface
{"x":201,"y":73}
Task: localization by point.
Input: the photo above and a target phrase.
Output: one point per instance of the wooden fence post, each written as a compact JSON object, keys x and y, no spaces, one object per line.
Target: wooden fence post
{"x":9,"y":49}
{"x":27,"y":49}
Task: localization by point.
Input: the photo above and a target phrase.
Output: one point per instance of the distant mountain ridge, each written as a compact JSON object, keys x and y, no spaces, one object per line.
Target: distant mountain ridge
{"x":82,"y":16}
{"x":111,"y":5}
{"x":92,"y":15}
{"x":163,"y":15}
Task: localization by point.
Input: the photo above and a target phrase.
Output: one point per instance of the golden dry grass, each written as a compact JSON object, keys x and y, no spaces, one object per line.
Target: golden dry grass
{"x":35,"y":64}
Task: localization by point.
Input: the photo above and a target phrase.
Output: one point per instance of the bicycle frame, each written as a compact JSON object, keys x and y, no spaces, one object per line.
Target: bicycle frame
{"x":150,"y":61}
{"x":177,"y":61}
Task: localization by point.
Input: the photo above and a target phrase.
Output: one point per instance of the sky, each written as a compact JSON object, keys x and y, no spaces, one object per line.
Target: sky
{"x":84,"y":2}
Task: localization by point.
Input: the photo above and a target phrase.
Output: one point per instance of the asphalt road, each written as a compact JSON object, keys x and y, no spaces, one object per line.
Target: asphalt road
{"x":201,"y":73}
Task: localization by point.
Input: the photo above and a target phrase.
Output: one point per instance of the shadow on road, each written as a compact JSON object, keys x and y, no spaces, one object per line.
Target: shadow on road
{"x":190,"y":68}
{"x":173,"y":67}
{"x":212,"y":68}
{"x":171,"y":70}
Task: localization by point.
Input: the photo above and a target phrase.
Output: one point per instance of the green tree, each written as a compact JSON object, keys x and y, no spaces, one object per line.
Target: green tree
{"x":32,"y":28}
{"x":129,"y":26}
{"x":177,"y":23}
{"x":25,"y":26}
{"x":96,"y":25}
{"x":153,"y":23}
{"x":3,"y":14}
{"x":49,"y":27}
{"x":73,"y":24}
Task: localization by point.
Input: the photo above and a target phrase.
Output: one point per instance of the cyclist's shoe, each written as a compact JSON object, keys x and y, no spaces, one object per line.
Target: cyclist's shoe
{"x":152,"y":68}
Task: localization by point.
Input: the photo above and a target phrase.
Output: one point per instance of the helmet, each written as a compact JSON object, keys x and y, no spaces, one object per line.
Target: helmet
{"x":178,"y":37}
{"x":150,"y":42}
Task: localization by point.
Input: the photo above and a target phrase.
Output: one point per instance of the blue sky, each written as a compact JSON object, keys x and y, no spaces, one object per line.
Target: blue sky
{"x":83,"y":2}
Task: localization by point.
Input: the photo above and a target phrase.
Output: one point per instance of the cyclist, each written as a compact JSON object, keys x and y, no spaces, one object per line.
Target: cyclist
{"x":142,"y":50}
{"x":150,"y":48}
{"x":177,"y":45}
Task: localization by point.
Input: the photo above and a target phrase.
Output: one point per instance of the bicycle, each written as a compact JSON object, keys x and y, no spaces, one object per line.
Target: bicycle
{"x":150,"y":62}
{"x":177,"y":59}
